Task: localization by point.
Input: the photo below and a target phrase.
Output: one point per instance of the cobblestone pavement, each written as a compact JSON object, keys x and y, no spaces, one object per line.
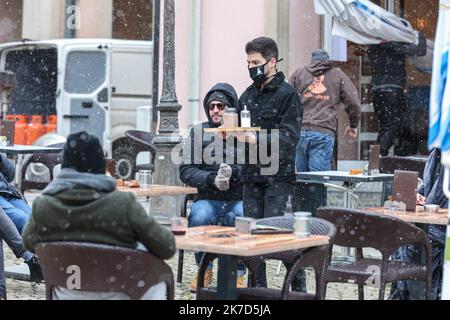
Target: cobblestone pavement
{"x":22,"y":290}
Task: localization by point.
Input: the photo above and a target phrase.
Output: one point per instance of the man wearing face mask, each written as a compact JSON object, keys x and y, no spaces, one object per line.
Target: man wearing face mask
{"x":275,"y":107}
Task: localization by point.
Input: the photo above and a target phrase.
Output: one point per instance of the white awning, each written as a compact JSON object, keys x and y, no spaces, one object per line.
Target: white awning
{"x":363,"y":22}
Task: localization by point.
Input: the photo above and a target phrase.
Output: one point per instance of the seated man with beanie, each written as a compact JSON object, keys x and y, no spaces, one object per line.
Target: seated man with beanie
{"x":92,"y":210}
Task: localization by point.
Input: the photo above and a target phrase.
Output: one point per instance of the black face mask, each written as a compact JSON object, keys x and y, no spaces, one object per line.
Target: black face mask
{"x":257,"y":74}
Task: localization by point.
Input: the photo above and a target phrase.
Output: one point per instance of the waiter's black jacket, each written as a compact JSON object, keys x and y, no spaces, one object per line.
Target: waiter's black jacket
{"x":276,"y":106}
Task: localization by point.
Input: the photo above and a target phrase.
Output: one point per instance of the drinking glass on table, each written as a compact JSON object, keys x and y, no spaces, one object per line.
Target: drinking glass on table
{"x":178,"y":225}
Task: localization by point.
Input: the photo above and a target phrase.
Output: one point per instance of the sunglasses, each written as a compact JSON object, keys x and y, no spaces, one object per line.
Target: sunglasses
{"x":220,"y":106}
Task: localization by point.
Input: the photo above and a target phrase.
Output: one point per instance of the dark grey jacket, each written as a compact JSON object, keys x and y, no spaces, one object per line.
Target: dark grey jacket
{"x":276,"y":106}
{"x":7,"y":173}
{"x":200,"y":174}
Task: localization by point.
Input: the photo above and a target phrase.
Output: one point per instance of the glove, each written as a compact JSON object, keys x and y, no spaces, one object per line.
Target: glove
{"x":222,"y":183}
{"x":225,"y":170}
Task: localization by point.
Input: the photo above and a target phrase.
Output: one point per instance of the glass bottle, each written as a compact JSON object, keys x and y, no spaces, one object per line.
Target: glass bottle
{"x":246,"y":121}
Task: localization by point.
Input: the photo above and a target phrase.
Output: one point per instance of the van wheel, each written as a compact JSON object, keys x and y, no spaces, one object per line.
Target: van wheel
{"x":125,"y":162}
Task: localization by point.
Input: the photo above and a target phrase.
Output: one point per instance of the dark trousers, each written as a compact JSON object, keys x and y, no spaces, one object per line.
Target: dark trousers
{"x":10,"y":234}
{"x":394,"y":122}
{"x":298,"y":284}
{"x":265,"y":200}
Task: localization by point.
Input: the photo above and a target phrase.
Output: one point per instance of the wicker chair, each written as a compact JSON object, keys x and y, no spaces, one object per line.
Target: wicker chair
{"x":312,"y":257}
{"x":359,"y":230}
{"x":50,"y":160}
{"x":98,"y":263}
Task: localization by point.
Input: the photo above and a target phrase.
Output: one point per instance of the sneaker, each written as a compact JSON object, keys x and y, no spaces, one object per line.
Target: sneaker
{"x":36,"y":275}
{"x":208,"y":279}
{"x":240,"y":282}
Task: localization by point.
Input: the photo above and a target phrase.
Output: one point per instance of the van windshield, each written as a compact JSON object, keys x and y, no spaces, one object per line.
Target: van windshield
{"x":36,"y":72}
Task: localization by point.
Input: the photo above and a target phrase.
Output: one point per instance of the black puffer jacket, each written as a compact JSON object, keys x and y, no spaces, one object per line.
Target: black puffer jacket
{"x":388,"y":62}
{"x":434,"y":192}
{"x":7,"y":173}
{"x":199,"y":172}
{"x":276,"y":106}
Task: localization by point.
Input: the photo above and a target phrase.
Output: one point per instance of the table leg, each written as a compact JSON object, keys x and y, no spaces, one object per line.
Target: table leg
{"x":226,"y":278}
{"x":347,"y":254}
{"x":18,"y":178}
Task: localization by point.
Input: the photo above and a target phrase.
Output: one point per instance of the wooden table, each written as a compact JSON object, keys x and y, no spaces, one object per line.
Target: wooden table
{"x":420,"y":216}
{"x":159,"y":190}
{"x":230,"y":245}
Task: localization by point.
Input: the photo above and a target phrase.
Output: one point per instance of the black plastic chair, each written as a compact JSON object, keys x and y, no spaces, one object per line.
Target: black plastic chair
{"x":141,"y":141}
{"x":50,"y":160}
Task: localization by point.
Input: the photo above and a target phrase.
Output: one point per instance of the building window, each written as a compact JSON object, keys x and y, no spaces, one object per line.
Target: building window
{"x":132,"y":19}
{"x":85,"y":72}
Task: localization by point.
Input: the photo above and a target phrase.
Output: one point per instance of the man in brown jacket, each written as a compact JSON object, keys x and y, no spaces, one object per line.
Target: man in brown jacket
{"x":322,"y":88}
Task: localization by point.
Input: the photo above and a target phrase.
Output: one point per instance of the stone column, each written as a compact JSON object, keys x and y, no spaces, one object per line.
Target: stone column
{"x":166,"y":170}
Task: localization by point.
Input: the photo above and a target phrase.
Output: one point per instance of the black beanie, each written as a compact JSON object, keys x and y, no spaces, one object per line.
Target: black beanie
{"x":84,"y":153}
{"x":220,"y":96}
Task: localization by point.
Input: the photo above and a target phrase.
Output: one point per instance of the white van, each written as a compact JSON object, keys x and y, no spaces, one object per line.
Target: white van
{"x":90,"y":84}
